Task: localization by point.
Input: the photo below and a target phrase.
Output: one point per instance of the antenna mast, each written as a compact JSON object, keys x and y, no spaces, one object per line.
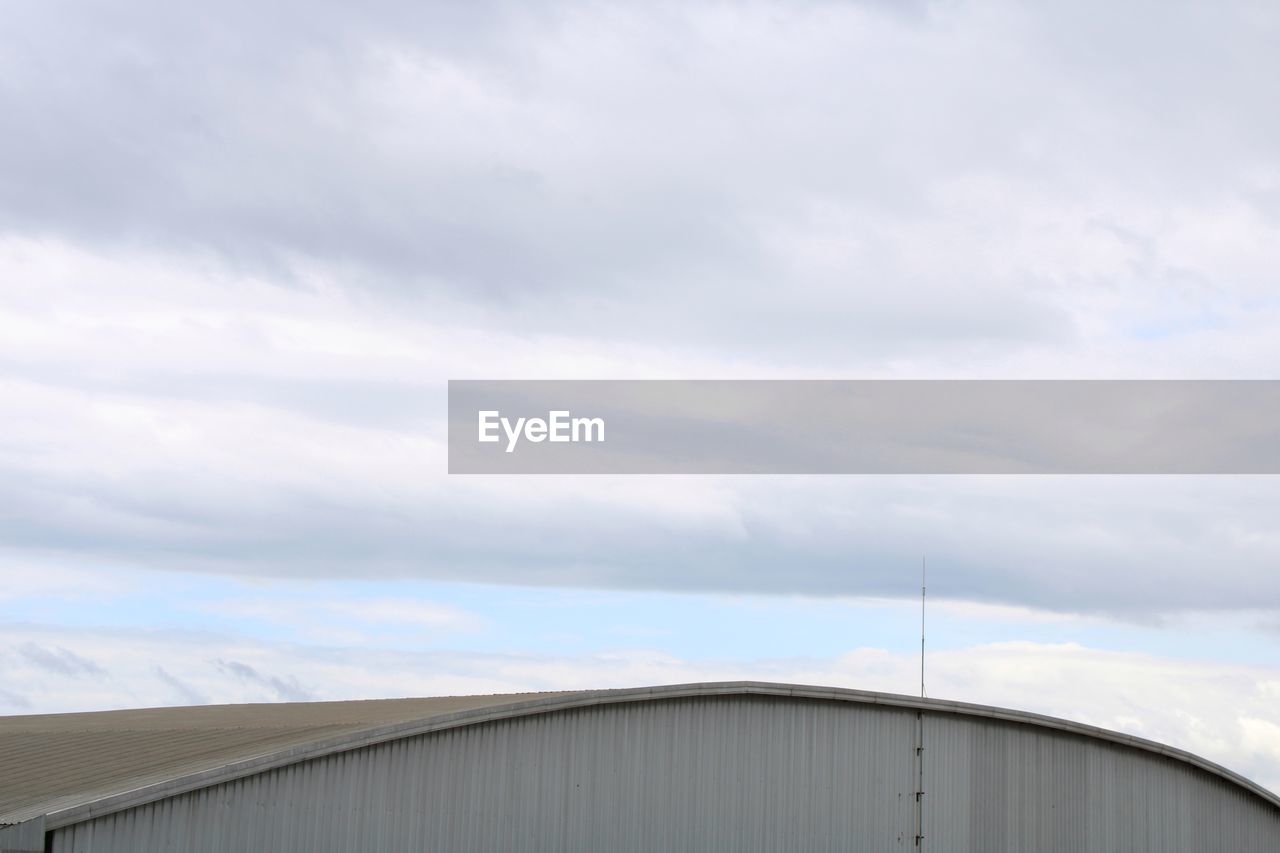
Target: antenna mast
{"x":920,"y":722}
{"x":922,"y":580}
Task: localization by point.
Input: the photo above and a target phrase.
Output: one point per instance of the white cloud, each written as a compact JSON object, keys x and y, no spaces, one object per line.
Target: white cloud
{"x":205,"y":419}
{"x":1224,"y":712}
{"x":1261,"y":737}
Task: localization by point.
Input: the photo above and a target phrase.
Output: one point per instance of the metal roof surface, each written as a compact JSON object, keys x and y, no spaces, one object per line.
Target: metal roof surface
{"x":71,"y":767}
{"x":53,"y":761}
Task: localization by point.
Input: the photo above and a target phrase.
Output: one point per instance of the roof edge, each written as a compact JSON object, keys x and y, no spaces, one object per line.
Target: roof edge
{"x":372,"y":736}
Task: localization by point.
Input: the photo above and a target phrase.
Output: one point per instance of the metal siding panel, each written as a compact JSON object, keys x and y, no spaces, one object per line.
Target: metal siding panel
{"x":741,"y":773}
{"x":998,"y":787}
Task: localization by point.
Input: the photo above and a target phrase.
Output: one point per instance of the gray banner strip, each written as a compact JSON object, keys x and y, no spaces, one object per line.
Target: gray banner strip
{"x":864,"y":427}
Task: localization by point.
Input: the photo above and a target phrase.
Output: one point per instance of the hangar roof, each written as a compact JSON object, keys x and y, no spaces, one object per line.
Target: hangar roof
{"x":68,"y":767}
{"x":55,"y":761}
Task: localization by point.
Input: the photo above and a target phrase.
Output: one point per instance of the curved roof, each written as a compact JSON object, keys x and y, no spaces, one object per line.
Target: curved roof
{"x":70,"y":767}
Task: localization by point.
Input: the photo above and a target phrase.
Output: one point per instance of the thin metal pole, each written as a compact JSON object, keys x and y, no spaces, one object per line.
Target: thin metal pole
{"x":920,"y":780}
{"x":920,"y":721}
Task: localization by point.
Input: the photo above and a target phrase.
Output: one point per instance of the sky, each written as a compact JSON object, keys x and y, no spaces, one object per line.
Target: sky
{"x":243,"y":248}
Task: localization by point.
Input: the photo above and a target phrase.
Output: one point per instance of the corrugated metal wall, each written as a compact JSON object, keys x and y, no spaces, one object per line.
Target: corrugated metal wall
{"x":735,"y":773}
{"x":996,"y":786}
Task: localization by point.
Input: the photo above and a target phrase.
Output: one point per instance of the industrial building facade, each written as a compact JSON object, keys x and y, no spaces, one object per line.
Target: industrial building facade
{"x":740,"y":766}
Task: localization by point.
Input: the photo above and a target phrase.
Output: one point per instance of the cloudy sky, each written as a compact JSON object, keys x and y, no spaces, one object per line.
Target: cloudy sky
{"x":243,"y":247}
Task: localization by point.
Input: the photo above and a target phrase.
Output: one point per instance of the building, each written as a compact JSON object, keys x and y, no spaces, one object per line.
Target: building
{"x":740,"y":766}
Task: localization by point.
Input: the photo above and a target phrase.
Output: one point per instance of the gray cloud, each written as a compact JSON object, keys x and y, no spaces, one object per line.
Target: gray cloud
{"x":1128,"y":546}
{"x":184,"y":691}
{"x":58,"y":660}
{"x":286,"y":689}
{"x":812,"y":179}
{"x":821,"y":188}
{"x":14,"y":700}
